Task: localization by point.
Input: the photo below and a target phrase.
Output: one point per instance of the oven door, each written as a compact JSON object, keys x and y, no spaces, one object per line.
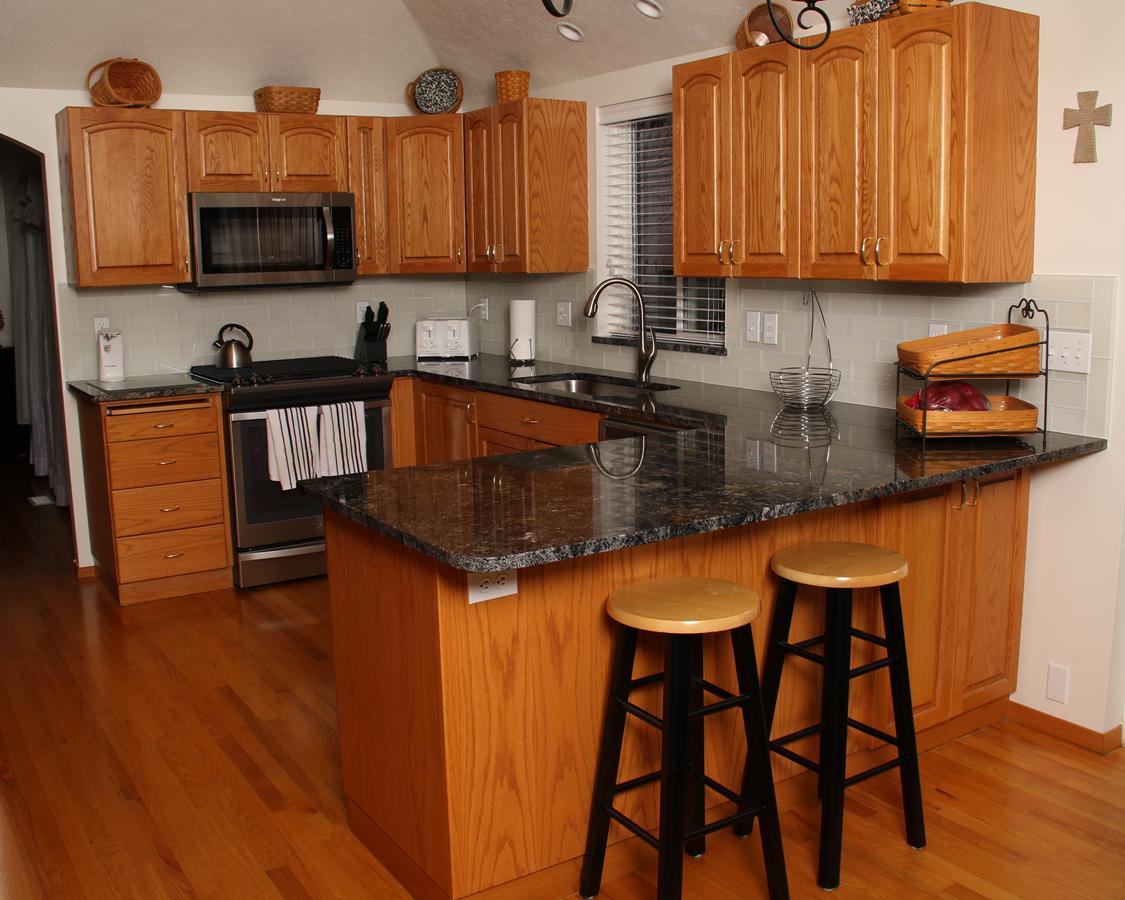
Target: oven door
{"x":264,"y":514}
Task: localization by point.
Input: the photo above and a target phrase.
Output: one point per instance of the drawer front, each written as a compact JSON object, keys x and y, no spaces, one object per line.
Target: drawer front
{"x":193,"y":457}
{"x":543,"y":422}
{"x":149,"y":556}
{"x":134,"y":423}
{"x":167,"y":507}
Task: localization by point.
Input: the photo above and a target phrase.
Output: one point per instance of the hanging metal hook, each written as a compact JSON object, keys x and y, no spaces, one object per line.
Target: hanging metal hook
{"x":810,"y":7}
{"x":567,"y":5}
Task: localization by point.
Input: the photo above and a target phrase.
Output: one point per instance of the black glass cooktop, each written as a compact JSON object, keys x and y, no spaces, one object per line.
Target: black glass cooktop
{"x":275,"y":371}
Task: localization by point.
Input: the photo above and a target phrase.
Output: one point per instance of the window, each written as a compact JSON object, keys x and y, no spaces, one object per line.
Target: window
{"x":636,"y":184}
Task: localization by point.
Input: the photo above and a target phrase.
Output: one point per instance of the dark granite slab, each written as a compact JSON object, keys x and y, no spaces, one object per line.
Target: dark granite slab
{"x":747,"y":461}
{"x":142,"y":387}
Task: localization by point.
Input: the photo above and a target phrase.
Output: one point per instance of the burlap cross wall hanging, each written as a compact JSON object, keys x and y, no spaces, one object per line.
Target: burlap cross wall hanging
{"x":1084,"y":119}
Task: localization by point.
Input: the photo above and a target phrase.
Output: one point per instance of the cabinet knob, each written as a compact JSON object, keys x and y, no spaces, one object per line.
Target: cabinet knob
{"x":879,"y":252}
{"x":863,"y":252}
{"x":460,"y":253}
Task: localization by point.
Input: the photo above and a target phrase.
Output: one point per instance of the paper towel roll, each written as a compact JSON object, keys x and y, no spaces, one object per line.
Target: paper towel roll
{"x":521,"y":330}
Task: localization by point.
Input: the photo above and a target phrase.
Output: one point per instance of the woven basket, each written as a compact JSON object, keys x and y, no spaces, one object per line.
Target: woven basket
{"x":1020,"y":344}
{"x":284,"y":98}
{"x":124,"y":82}
{"x":905,"y":7}
{"x":512,"y":84}
{"x":1009,"y":415}
{"x":758,"y":19}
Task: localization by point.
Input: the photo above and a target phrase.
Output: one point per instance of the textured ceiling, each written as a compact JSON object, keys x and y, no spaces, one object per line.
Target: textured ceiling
{"x":351,"y":49}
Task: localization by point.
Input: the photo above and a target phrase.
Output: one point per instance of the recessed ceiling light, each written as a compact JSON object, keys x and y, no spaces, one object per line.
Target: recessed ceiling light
{"x":570,"y":32}
{"x":650,"y":8}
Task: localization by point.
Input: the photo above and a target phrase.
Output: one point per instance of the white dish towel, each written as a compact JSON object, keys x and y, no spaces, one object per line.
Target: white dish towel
{"x":291,"y":442}
{"x":343,"y":439}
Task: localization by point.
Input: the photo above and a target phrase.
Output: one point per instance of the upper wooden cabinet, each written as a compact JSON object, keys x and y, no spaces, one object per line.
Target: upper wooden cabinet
{"x":526,"y":187}
{"x":426,"y":194}
{"x":367,"y":159}
{"x":266,"y":152}
{"x":916,"y":160}
{"x":124,"y":194}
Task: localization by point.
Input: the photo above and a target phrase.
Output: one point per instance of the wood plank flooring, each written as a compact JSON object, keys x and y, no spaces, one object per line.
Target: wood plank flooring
{"x":187,"y":748}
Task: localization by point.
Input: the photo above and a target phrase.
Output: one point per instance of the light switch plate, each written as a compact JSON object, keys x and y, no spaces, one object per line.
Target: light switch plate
{"x":1070,"y":351}
{"x":753,"y":326}
{"x":769,"y":328}
{"x":491,"y":585}
{"x":101,"y":323}
{"x":563,"y":313}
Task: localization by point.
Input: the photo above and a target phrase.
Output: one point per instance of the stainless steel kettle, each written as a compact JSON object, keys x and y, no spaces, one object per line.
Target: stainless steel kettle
{"x":233,"y":354}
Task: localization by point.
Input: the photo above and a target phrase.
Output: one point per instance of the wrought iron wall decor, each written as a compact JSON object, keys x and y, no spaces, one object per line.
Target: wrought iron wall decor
{"x":550,"y":6}
{"x":810,"y":7}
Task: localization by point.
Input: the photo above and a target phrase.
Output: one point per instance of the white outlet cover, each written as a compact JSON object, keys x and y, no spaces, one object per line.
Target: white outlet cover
{"x":769,"y":328}
{"x":753,"y":326}
{"x":1058,"y":683}
{"x":1070,"y":351}
{"x":361,"y":308}
{"x":491,"y":585}
{"x":101,"y":323}
{"x":563,"y":313}
{"x":937,"y":329}
{"x":484,"y":309}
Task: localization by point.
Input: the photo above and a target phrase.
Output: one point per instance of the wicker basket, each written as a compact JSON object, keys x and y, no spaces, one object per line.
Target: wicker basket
{"x":512,"y":84}
{"x":905,"y":7}
{"x":124,"y":82}
{"x":284,"y":98}
{"x":758,"y":19}
{"x":1021,"y":340}
{"x":1009,"y":415}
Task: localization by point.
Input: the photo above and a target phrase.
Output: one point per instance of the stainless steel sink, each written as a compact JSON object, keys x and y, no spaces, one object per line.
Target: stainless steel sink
{"x":589,"y":384}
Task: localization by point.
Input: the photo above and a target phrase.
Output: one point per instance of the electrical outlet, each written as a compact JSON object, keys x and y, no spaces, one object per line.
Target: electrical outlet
{"x":563,"y":313}
{"x":101,"y":323}
{"x":769,"y":328}
{"x":1058,"y":683}
{"x":1070,"y":351}
{"x":361,"y":309}
{"x":769,"y":456}
{"x":490,"y":585}
{"x":753,"y":326}
{"x":937,"y":329}
{"x":753,"y":453}
{"x":483,"y":302}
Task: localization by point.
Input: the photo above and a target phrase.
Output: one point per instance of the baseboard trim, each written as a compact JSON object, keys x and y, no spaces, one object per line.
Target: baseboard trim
{"x":1101,"y":743}
{"x":84,"y":572}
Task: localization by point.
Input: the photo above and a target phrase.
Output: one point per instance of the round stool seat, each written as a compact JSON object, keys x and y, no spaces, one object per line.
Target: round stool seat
{"x":684,"y":605}
{"x":839,"y":564}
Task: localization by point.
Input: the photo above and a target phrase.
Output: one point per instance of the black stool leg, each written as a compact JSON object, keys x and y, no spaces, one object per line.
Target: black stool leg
{"x":834,"y":735}
{"x":674,"y":767}
{"x":904,"y":716}
{"x":609,"y":758}
{"x":771,"y":678}
{"x":758,"y":771}
{"x":697,"y":800}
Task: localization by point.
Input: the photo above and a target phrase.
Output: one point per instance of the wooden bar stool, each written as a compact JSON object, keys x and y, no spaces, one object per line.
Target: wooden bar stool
{"x":683,"y":610}
{"x":841,"y":568}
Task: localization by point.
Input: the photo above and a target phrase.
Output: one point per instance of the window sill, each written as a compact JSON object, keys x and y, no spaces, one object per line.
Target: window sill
{"x":677,"y":346}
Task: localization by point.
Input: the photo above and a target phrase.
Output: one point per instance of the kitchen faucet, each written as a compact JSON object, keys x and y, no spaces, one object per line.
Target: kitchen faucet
{"x":646,"y":337}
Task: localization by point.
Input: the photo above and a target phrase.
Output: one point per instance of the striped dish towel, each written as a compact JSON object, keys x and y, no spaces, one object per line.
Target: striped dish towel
{"x":291,"y":442}
{"x":343,"y":439}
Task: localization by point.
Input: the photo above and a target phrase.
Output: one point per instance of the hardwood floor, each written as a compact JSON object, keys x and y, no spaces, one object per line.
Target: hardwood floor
{"x":187,"y":748}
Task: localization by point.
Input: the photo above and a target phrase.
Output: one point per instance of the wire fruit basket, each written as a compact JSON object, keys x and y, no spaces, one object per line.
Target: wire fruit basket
{"x":808,"y":386}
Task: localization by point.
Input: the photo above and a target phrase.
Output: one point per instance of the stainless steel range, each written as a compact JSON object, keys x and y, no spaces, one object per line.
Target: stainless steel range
{"x":279,"y":535}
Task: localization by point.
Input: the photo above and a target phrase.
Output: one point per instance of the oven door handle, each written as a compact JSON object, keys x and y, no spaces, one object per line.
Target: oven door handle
{"x":330,"y":236}
{"x":260,"y":415}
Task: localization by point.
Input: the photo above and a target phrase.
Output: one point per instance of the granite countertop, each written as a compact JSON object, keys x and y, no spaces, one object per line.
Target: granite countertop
{"x":744,"y":461}
{"x":142,"y":387}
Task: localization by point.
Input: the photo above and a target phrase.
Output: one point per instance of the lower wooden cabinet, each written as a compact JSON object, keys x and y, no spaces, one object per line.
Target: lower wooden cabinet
{"x":156,"y":496}
{"x":446,"y":428}
{"x":542,"y":423}
{"x":491,"y":442}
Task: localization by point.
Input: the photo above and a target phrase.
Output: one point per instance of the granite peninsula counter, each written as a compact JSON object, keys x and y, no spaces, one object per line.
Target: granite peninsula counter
{"x":468,"y":732}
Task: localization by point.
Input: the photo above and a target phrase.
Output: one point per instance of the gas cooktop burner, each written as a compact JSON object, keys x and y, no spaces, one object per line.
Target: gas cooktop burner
{"x":277,"y":371}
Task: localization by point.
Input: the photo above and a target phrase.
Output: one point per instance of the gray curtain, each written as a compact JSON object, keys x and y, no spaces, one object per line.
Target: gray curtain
{"x":38,"y":379}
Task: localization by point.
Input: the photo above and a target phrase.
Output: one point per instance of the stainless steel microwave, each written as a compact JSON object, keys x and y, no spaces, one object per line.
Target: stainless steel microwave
{"x":260,"y":240}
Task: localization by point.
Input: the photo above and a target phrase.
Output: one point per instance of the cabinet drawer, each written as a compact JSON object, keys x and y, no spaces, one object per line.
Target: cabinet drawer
{"x":543,"y":422}
{"x":132,"y":423}
{"x":163,"y":461}
{"x":167,"y":507}
{"x":149,"y":556}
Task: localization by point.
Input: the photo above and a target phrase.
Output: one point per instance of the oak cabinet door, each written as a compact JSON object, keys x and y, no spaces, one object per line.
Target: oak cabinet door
{"x":480,"y":189}
{"x":447,"y":429}
{"x":491,"y":442}
{"x":921,"y":147}
{"x":510,"y":187}
{"x":426,"y":194}
{"x":838,"y":145}
{"x":228,"y":151}
{"x":367,"y":164}
{"x":125,"y":186}
{"x":701,"y":139}
{"x":765,"y":135}
{"x":308,"y":153}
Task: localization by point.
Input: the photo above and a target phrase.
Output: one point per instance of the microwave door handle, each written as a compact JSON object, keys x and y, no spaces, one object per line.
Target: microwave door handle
{"x":330,"y":235}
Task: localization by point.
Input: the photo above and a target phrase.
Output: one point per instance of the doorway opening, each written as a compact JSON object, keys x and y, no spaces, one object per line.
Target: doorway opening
{"x":34,"y":474}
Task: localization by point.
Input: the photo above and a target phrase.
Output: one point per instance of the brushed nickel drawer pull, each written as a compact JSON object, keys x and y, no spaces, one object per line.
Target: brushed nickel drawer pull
{"x":863,"y":252}
{"x":164,"y":425}
{"x":879,"y":252}
{"x":527,"y":420}
{"x":165,"y":462}
{"x":722,"y":246}
{"x":172,"y":555}
{"x":168,"y":509}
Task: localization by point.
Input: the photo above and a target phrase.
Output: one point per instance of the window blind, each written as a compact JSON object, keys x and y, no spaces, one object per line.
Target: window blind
{"x":637,"y":219}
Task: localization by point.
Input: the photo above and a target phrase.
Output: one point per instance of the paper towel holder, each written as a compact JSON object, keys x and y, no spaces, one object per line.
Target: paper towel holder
{"x":513,"y":361}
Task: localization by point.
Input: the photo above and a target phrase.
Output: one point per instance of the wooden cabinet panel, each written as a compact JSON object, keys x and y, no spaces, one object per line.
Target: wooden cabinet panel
{"x":838,"y":145}
{"x":480,"y":189}
{"x":510,"y":187}
{"x":491,"y":442}
{"x":167,"y":507}
{"x":171,"y":553}
{"x":159,"y":420}
{"x":765,"y":155}
{"x":164,"y":461}
{"x":542,"y":422}
{"x":368,"y":167}
{"x":446,"y":428}
{"x":228,"y":151}
{"x":426,"y":194}
{"x":701,"y":128}
{"x":125,"y":192}
{"x":308,"y":153}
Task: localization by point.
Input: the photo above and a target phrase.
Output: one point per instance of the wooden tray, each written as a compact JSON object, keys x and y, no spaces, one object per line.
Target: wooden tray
{"x":1021,"y":340}
{"x":1009,"y":415}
